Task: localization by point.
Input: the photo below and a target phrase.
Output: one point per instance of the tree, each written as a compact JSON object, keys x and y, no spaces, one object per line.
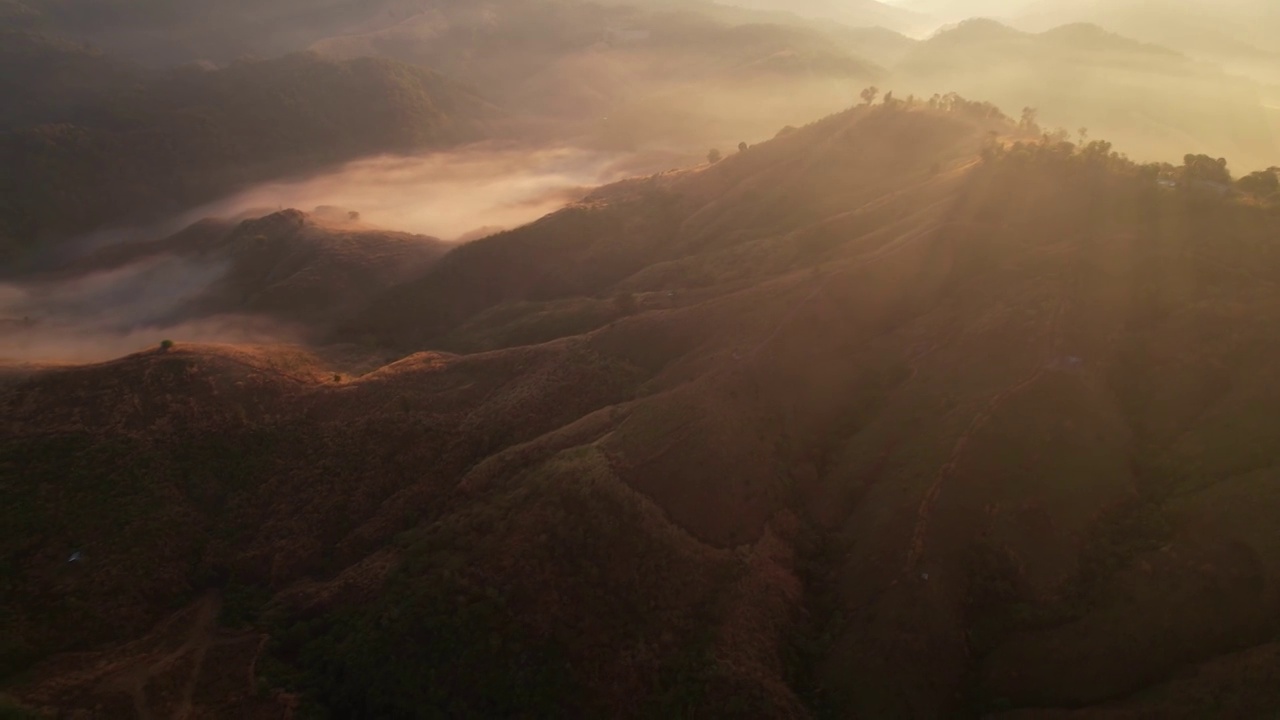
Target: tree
{"x":888,"y":98}
{"x":1262,"y":183}
{"x":742,"y":146}
{"x":713,"y":156}
{"x":1029,"y":120}
{"x":166,"y":345}
{"x":1084,"y":134}
{"x":869,"y":95}
{"x":1202,"y":168}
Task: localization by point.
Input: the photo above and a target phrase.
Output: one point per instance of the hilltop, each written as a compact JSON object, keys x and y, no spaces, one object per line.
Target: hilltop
{"x":1146,"y":98}
{"x":908,"y":412}
{"x":286,"y":274}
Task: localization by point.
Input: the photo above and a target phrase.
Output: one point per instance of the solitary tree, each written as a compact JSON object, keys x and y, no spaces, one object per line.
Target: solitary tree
{"x":1028,"y":121}
{"x":166,"y":345}
{"x":869,"y":95}
{"x":713,"y":156}
{"x":742,"y":146}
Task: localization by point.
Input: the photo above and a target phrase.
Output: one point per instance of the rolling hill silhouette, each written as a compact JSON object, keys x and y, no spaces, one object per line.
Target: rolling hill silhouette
{"x":190,"y":135}
{"x":627,"y":74}
{"x":1146,"y":98}
{"x":904,"y":413}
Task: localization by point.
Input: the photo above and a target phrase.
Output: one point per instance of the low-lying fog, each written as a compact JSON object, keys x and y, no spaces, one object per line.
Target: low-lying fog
{"x":114,"y":312}
{"x":455,"y":196}
{"x":449,"y":195}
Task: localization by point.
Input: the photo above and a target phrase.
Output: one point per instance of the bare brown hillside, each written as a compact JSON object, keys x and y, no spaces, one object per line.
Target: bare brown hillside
{"x":881,"y":418}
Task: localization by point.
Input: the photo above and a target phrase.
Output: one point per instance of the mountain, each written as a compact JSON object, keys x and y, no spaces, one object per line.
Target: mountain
{"x":46,"y":79}
{"x":193,"y":134}
{"x":162,"y":34}
{"x":1150,"y":100}
{"x":854,"y":13}
{"x":1237,"y":34}
{"x":283,"y":275}
{"x":625,"y":76}
{"x":1194,"y":25}
{"x":904,"y":413}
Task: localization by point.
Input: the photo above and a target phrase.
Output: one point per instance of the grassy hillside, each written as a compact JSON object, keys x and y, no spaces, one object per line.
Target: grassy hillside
{"x":905,"y":413}
{"x":193,"y":134}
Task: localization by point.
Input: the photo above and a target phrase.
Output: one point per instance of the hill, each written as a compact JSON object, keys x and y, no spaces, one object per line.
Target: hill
{"x":894,"y":417}
{"x":856,"y":14}
{"x":184,"y":31}
{"x":284,"y":275}
{"x":1228,"y":30}
{"x":46,"y":79}
{"x":194,"y":134}
{"x":1150,"y":100}
{"x":630,"y":75}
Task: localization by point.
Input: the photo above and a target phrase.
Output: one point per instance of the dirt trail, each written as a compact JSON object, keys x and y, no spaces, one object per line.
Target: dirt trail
{"x":924,"y":512}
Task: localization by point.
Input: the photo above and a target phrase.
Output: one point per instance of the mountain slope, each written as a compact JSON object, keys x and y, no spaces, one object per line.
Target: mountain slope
{"x":1151,"y":101}
{"x":284,"y":275}
{"x":48,"y":80}
{"x":1220,"y":30}
{"x":183,"y":31}
{"x":628,"y":75}
{"x":194,"y":134}
{"x":901,"y":424}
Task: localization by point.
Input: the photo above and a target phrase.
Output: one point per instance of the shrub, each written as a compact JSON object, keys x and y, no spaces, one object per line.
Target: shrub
{"x":713,"y":156}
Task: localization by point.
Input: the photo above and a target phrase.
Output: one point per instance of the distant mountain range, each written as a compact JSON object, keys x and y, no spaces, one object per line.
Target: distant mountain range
{"x":1146,"y":98}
